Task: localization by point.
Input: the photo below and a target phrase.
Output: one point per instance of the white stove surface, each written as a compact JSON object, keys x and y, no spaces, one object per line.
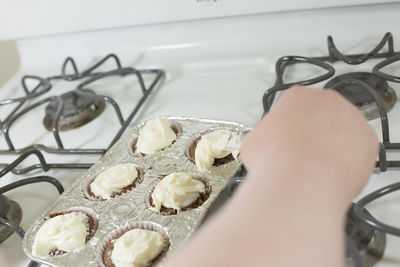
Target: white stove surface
{"x":216,"y":69}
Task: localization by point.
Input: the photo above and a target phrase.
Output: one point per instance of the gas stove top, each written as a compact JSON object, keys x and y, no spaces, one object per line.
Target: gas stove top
{"x":199,"y":73}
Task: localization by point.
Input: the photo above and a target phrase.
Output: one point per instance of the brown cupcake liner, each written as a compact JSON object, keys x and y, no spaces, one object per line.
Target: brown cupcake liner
{"x":92,"y":221}
{"x":176,"y":127}
{"x":191,"y":149}
{"x":171,"y":211}
{"x":107,"y":245}
{"x":91,"y":196}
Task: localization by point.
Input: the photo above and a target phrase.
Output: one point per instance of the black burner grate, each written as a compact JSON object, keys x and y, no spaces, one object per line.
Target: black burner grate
{"x":350,"y":82}
{"x":59,"y":107}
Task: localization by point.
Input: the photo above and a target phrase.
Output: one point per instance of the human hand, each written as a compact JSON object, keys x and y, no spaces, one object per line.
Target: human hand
{"x":306,"y":160}
{"x":317,"y":133}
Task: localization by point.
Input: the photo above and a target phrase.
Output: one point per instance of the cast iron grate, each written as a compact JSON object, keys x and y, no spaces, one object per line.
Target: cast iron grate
{"x":334,"y":55}
{"x":44,"y":84}
{"x":58,"y":103}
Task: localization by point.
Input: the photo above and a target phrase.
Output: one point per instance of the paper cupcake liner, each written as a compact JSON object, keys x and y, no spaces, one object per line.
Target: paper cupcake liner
{"x":92,"y":221}
{"x":176,"y":127}
{"x":87,"y":192}
{"x":115,"y":234}
{"x":191,"y":148}
{"x":170,"y":211}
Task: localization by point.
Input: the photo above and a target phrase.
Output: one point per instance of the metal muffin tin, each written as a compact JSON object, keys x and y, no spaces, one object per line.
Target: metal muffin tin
{"x":131,"y":206}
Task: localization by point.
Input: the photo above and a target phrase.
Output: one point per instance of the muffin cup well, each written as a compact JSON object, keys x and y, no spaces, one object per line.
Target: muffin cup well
{"x":91,"y":196}
{"x":176,"y":127}
{"x":92,"y":224}
{"x":105,"y":248}
{"x":171,"y":211}
{"x":191,"y":149}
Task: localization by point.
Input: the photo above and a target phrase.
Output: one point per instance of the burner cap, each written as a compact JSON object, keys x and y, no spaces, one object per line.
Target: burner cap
{"x":360,"y":97}
{"x":370,"y":242}
{"x":9,"y":210}
{"x":78,"y":110}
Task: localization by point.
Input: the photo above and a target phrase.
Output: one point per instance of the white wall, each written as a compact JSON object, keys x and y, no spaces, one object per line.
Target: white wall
{"x":27,"y":18}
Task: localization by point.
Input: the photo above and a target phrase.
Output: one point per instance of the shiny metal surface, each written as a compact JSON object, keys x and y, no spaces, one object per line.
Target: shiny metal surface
{"x":131,"y":206}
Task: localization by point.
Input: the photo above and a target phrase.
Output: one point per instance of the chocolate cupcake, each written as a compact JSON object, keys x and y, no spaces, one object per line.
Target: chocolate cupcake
{"x":138,"y":244}
{"x":178,"y":192}
{"x":113,"y":182}
{"x":156,"y":135}
{"x":213,"y":148}
{"x":63,"y":232}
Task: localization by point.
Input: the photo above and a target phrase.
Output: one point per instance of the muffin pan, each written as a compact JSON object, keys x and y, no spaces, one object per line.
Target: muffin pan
{"x":132,"y":206}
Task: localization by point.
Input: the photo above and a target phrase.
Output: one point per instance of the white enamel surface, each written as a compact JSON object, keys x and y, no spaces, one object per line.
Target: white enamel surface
{"x":215,"y":69}
{"x":44,"y":17}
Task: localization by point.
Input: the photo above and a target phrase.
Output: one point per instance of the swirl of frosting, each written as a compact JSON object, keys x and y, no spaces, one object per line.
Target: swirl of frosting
{"x":63,"y":232}
{"x":155,"y":135}
{"x":113,"y":180}
{"x":137,"y":248}
{"x":177,"y":190}
{"x":216,"y":145}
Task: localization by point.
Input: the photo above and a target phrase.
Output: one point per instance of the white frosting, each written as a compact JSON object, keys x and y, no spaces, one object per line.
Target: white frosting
{"x":137,"y":248}
{"x":113,"y":180}
{"x":176,"y":190}
{"x":216,"y":145}
{"x":154,"y":136}
{"x":63,"y":232}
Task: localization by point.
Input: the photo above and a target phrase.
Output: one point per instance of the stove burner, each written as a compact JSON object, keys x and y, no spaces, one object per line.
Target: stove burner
{"x":370,"y":242}
{"x":78,"y":111}
{"x":11,"y":211}
{"x":361,"y":97}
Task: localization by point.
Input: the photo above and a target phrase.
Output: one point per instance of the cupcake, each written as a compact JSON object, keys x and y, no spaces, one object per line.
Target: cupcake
{"x":113,"y":182}
{"x":64,"y":232}
{"x":137,"y":244}
{"x":178,"y":192}
{"x":214,"y":148}
{"x":156,"y":135}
